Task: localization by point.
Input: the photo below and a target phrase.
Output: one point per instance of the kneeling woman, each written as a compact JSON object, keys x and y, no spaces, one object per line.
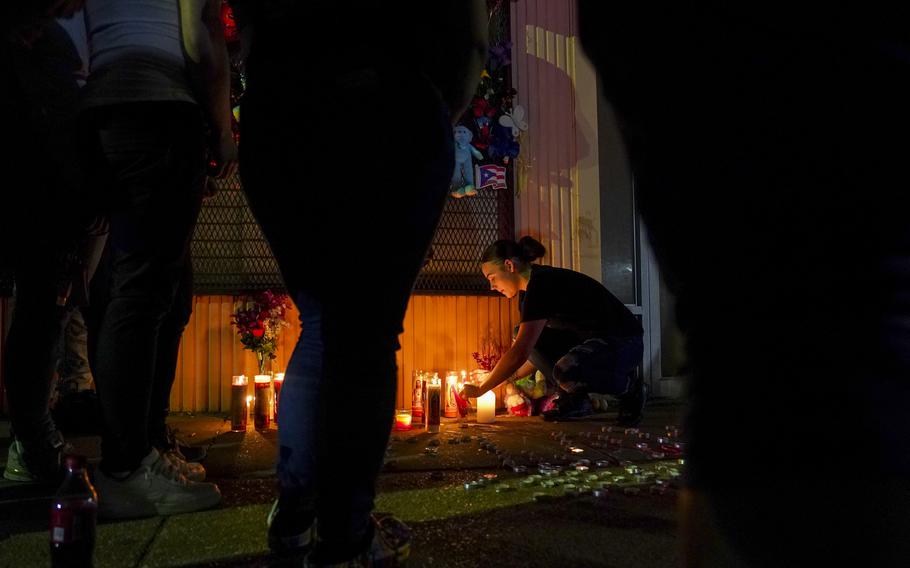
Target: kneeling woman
{"x":573,"y":330}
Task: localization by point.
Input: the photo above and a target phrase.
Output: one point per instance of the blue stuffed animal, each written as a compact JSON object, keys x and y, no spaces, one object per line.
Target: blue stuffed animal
{"x":504,"y":145}
{"x":465,"y":154}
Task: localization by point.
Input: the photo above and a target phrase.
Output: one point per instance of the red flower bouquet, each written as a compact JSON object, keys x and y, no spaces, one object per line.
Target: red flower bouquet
{"x":258,"y":320}
{"x":489,"y":354}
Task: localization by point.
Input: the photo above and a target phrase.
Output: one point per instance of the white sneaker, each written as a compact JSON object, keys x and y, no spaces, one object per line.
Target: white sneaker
{"x":156,"y":487}
{"x":598,"y":401}
{"x":16,"y":470}
{"x":191,"y":470}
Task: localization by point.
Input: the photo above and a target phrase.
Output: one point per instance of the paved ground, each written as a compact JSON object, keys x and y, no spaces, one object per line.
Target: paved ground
{"x":631,"y":523}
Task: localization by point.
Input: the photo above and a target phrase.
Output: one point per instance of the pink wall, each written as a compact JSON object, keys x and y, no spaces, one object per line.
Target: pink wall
{"x":543,"y":33}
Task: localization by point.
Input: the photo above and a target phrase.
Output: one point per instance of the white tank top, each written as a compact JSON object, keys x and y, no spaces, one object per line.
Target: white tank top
{"x":117,"y":28}
{"x":136,"y":52}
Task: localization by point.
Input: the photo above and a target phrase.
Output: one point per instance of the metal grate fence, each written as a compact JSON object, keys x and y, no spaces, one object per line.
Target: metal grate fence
{"x":231,"y":256}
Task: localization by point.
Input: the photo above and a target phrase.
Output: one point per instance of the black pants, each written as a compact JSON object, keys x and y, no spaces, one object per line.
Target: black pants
{"x":169,"y":335}
{"x":42,"y":211}
{"x":349,"y":209}
{"x":31,"y":345}
{"x":153,"y":154}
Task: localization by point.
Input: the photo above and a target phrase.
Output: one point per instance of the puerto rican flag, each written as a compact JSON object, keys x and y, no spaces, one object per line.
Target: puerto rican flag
{"x":490,"y":175}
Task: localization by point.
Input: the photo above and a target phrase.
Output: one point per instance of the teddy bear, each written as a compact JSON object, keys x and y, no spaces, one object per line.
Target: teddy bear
{"x":465,"y":154}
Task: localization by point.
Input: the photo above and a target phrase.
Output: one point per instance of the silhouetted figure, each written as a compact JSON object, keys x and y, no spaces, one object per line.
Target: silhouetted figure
{"x":349,"y":200}
{"x":769,"y":147}
{"x":158,"y":73}
{"x":43,"y":217}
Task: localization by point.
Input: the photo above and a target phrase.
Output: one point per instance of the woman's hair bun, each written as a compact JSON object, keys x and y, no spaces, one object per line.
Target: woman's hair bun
{"x":531,"y":249}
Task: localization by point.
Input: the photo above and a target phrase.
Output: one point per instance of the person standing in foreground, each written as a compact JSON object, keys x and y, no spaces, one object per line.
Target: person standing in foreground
{"x":769,"y":147}
{"x":322,"y":167}
{"x":43,"y":220}
{"x":158,"y":70}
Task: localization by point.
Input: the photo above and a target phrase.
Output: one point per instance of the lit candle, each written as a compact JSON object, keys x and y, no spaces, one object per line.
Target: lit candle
{"x":239,"y":409}
{"x":403,"y":420}
{"x":451,"y":406}
{"x":277,"y":383}
{"x":434,"y":403}
{"x":418,"y":396}
{"x":486,"y":408}
{"x":261,"y":414}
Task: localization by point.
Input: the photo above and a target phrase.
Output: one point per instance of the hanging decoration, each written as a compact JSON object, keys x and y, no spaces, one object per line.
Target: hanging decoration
{"x":465,"y":154}
{"x":489,"y":131}
{"x":238,"y":80}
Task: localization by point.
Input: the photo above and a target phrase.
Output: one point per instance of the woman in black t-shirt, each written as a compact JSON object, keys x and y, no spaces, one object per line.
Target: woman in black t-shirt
{"x":573,"y":330}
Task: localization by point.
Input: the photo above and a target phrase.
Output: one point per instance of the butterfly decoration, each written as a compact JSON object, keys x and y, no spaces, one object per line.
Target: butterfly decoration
{"x":515,"y":120}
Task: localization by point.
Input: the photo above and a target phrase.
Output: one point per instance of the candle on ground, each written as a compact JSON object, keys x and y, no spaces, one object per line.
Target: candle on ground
{"x":403,"y":420}
{"x":486,"y":408}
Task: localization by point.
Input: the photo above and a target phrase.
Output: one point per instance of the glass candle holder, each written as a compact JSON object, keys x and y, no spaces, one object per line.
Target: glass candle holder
{"x":450,"y":406}
{"x":277,"y":383}
{"x":434,"y":404}
{"x":402,"y":420}
{"x":418,"y":398}
{"x":240,"y":409}
{"x":261,"y":398}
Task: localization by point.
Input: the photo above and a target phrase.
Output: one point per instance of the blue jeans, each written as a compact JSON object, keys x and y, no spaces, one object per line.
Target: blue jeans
{"x":349,"y":220}
{"x":603,"y":366}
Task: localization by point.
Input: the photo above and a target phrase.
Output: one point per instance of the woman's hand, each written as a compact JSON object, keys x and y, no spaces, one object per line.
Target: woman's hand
{"x":470,"y":391}
{"x":223,"y":161}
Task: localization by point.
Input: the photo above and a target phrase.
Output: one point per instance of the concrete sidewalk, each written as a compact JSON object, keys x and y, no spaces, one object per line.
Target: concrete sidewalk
{"x":423,"y":484}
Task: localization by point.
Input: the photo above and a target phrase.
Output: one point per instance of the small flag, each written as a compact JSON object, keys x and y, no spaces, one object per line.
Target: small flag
{"x":491,"y":175}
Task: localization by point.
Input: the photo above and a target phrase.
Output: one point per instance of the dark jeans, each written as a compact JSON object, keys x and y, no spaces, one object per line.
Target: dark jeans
{"x":349,"y":207}
{"x":31,"y":345}
{"x":153,"y":155}
{"x":603,"y":366}
{"x":73,"y":365}
{"x":169,"y":336}
{"x":42,"y":213}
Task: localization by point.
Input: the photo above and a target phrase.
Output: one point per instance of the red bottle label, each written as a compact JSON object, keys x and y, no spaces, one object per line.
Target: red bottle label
{"x":72,"y":523}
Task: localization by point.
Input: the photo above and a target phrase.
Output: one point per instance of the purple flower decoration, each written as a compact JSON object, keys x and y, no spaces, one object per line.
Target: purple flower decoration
{"x":501,"y":54}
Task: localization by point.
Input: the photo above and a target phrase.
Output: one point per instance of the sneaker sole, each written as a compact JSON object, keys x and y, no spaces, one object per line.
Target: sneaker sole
{"x":20,"y":477}
{"x":297,"y":543}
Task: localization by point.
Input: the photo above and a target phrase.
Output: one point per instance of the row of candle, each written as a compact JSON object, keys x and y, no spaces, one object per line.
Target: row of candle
{"x":264,"y":404}
{"x":430,"y":402}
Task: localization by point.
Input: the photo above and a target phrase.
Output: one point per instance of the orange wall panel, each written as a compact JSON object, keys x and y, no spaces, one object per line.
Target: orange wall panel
{"x":440,"y":333}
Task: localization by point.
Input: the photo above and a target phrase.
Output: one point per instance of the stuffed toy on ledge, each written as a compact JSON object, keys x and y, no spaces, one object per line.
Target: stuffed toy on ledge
{"x":465,"y":154}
